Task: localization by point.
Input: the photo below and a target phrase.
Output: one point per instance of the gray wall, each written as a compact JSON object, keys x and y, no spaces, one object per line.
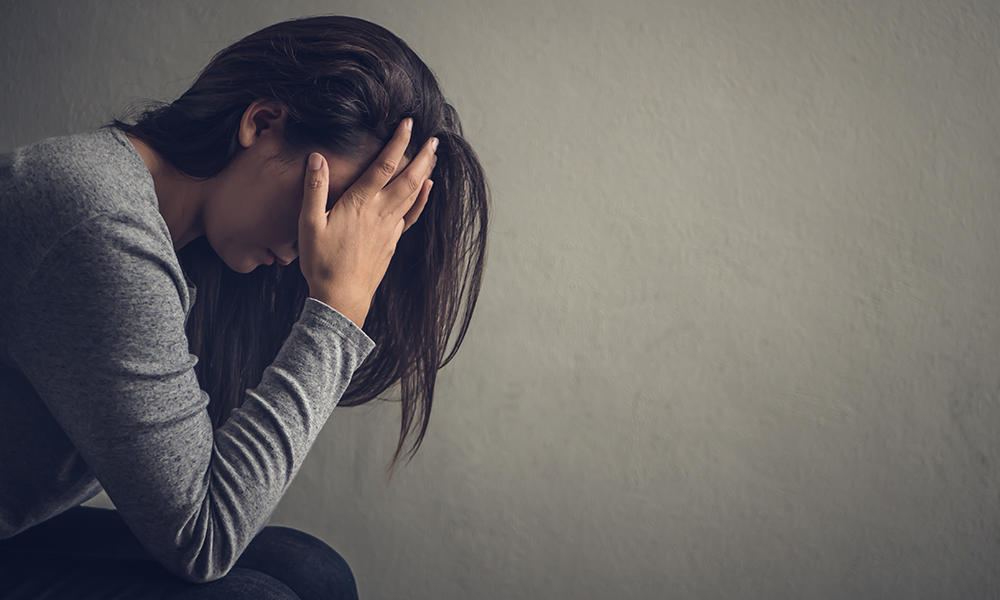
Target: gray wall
{"x":740,"y":332}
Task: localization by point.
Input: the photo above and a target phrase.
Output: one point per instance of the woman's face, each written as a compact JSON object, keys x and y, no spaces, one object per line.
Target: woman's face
{"x":252,"y":215}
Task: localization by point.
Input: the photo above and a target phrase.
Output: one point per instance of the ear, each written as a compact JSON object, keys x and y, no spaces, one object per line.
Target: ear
{"x":261,"y":116}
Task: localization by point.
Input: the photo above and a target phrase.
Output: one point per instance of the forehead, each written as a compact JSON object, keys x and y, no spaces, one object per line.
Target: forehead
{"x":345,"y":172}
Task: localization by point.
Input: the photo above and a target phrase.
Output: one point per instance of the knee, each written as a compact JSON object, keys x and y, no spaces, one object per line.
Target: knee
{"x":238,"y":584}
{"x":306,"y":564}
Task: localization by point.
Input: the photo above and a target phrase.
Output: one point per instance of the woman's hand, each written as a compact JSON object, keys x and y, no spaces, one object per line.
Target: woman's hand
{"x":344,"y":252}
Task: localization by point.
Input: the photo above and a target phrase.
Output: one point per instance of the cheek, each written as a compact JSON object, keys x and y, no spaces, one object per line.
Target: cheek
{"x":284,"y":217}
{"x":277,"y":217}
{"x":290,"y":225}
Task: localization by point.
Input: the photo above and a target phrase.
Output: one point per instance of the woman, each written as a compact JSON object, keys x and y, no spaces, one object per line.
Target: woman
{"x":314,"y":190}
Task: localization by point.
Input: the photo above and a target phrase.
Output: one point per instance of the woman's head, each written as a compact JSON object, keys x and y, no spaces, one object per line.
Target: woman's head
{"x":346,"y":85}
{"x":249,"y":212}
{"x":340,"y":86}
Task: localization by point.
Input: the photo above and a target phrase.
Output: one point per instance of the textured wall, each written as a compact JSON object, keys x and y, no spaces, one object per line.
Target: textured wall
{"x":739,"y":335}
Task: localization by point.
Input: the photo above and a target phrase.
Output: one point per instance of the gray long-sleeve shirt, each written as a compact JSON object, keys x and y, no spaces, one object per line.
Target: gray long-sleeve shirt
{"x":97,"y":386}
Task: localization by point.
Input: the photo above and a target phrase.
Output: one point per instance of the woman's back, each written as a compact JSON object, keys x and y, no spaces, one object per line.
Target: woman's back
{"x":96,"y":314}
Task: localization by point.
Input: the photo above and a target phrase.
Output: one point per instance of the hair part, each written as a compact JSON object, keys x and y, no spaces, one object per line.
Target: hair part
{"x":346,"y":84}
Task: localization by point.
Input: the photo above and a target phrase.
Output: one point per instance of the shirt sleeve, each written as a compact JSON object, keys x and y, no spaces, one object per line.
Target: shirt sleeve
{"x":101,"y":338}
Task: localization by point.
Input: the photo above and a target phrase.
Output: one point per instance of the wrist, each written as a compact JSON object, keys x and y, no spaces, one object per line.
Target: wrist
{"x":352,"y":311}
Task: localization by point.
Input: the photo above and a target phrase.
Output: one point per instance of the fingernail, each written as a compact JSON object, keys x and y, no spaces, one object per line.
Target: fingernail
{"x":408,"y":123}
{"x":315,"y":161}
{"x":434,"y":144}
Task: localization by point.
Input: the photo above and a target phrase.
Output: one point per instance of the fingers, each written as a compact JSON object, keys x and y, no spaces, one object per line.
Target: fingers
{"x":413,"y":214}
{"x":315,"y":191}
{"x":384,"y":167}
{"x":404,"y":191}
{"x":388,"y":194}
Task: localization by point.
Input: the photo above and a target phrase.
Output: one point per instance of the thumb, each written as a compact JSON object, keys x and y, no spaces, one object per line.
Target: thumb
{"x":315,"y":191}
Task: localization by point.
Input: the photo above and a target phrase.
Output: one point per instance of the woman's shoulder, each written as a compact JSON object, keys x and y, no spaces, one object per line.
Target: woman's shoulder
{"x":50,"y":187}
{"x":81,"y":194}
{"x":86,"y":173}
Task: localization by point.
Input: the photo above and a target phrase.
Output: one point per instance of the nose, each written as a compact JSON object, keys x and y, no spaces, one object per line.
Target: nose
{"x":287,"y":253}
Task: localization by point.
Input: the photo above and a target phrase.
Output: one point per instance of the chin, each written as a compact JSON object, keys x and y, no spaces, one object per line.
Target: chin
{"x":243,"y":265}
{"x":237,"y":261}
{"x":249,"y":266}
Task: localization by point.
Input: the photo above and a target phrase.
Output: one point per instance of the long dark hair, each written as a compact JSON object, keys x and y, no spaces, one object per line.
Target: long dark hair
{"x":346,"y":84}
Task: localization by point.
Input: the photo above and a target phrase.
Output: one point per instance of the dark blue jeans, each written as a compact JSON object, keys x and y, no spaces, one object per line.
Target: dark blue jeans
{"x":89,"y":553}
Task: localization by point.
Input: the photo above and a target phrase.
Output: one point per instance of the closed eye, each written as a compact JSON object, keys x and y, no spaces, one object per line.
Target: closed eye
{"x":334,"y":195}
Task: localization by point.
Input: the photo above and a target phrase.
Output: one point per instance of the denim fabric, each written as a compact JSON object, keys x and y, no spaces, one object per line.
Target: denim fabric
{"x":89,"y":554}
